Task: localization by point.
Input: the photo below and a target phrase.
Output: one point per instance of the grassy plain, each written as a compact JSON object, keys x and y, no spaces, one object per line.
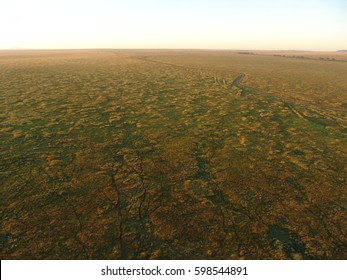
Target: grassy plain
{"x":167,"y":155}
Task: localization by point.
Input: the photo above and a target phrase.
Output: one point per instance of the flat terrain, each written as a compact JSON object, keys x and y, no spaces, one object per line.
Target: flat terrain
{"x":173,"y":155}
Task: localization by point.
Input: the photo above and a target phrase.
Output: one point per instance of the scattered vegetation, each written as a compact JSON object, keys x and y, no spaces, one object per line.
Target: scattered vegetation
{"x":171,"y":155}
{"x":249,"y":53}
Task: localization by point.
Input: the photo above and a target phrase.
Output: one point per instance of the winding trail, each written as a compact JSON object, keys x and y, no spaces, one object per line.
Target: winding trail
{"x":238,"y":83}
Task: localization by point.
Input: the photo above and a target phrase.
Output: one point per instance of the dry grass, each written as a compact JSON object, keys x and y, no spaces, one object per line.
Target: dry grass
{"x":304,"y":80}
{"x":142,"y":155}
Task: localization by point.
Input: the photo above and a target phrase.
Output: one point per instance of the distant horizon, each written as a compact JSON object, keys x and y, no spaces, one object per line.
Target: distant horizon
{"x":172,"y":49}
{"x":309,"y":25}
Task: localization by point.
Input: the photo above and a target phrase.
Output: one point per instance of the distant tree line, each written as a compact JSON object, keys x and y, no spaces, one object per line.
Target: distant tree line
{"x":302,"y":57}
{"x":249,"y":53}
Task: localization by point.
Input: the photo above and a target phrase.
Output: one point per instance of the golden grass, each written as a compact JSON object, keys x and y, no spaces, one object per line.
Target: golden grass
{"x":159,"y":155}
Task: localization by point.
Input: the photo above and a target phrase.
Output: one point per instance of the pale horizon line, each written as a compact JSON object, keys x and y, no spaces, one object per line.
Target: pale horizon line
{"x":186,"y":49}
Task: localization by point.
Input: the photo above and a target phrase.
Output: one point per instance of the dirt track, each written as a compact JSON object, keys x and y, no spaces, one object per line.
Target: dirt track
{"x":238,"y":82}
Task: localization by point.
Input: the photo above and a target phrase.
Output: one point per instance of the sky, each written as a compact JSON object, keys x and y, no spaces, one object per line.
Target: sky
{"x":174,"y":24}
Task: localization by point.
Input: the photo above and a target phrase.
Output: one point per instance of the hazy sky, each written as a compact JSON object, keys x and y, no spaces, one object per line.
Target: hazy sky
{"x":211,"y":24}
